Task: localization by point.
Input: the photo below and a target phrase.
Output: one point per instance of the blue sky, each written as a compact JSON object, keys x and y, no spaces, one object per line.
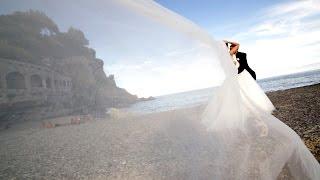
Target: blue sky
{"x":279,"y":36}
{"x":214,"y":15}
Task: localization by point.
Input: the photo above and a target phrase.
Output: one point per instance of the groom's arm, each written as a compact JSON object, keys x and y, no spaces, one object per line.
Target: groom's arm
{"x":235,"y":46}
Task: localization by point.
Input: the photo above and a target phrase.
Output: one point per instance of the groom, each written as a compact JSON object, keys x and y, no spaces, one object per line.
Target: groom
{"x":242,"y":59}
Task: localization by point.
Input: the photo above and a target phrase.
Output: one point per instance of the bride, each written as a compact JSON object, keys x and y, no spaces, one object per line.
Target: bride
{"x":254,"y":144}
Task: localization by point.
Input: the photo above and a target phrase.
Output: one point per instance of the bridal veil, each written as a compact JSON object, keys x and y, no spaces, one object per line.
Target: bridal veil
{"x":250,"y":142}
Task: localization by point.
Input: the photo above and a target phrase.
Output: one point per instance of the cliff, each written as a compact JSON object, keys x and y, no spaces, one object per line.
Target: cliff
{"x":33,"y":38}
{"x":91,"y":86}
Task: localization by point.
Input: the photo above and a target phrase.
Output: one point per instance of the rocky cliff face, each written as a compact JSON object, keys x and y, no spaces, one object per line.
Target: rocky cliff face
{"x":91,"y":86}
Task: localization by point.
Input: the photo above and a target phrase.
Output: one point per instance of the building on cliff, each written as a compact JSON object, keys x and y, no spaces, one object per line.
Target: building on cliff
{"x":72,"y":84}
{"x":24,"y":85}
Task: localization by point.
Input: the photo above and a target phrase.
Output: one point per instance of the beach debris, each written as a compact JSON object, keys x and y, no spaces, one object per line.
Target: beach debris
{"x":75,"y":120}
{"x":48,"y":125}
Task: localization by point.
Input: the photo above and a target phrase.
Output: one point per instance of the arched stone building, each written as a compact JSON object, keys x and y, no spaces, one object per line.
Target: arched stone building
{"x":27,"y":84}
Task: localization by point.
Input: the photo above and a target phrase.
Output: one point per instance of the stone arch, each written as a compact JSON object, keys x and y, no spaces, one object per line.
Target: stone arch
{"x":15,"y":80}
{"x":36,"y":81}
{"x":48,"y":83}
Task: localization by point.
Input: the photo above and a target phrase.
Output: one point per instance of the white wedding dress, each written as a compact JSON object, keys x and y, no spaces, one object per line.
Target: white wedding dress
{"x":250,"y":88}
{"x":253,"y":143}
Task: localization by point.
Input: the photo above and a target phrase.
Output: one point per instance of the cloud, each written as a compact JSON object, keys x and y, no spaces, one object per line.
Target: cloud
{"x":285,"y":37}
{"x":292,"y":18}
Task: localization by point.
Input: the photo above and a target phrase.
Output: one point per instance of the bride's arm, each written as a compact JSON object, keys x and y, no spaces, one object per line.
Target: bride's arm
{"x":235,"y":47}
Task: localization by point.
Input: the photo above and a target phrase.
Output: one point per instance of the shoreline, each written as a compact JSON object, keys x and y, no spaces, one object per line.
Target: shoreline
{"x":129,"y":146}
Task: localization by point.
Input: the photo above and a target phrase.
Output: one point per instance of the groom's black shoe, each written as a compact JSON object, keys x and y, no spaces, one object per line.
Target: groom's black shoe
{"x":242,"y":58}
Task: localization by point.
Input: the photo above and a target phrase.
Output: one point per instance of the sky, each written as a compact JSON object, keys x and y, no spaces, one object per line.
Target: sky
{"x":279,"y":36}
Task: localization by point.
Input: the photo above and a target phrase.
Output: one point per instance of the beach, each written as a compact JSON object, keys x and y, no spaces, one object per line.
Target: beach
{"x":299,"y":108}
{"x":162,"y":145}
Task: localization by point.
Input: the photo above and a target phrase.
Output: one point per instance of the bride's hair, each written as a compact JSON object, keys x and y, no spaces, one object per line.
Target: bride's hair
{"x":232,"y":45}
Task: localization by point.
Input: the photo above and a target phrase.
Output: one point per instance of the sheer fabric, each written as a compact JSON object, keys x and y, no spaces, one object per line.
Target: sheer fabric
{"x":251,"y":143}
{"x":254,"y":144}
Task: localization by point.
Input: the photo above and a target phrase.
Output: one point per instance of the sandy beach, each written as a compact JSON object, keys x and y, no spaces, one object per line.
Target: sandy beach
{"x":165,"y":145}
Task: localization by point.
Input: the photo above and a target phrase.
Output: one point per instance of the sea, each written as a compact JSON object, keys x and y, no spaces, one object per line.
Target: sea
{"x":201,"y":96}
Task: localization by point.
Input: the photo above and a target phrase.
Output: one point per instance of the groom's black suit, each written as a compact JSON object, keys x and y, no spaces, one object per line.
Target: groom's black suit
{"x":242,"y":59}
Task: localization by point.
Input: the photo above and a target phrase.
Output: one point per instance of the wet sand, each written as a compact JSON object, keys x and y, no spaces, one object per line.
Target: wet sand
{"x":166,"y":145}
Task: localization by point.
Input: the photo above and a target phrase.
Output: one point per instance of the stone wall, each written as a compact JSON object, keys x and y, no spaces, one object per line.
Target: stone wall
{"x":25,"y":84}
